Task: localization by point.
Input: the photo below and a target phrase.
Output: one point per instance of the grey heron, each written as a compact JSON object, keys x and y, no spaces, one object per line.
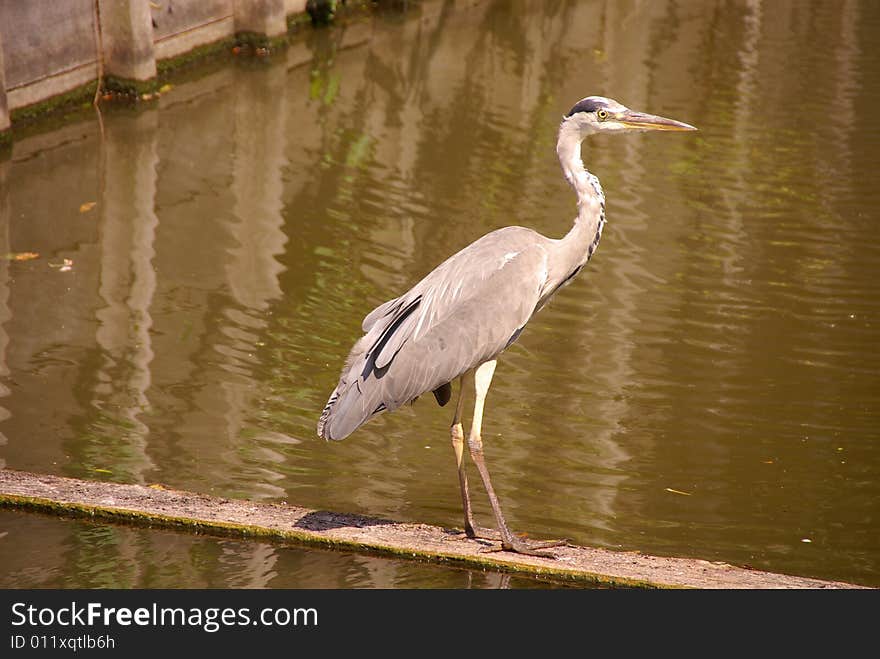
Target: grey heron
{"x":461,"y":316}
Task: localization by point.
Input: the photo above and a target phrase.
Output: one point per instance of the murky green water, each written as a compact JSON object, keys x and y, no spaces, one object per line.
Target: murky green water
{"x":52,"y":553}
{"x":708,"y":387}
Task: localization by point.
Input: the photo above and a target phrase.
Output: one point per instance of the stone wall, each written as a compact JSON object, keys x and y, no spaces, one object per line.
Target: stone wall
{"x":48,"y":49}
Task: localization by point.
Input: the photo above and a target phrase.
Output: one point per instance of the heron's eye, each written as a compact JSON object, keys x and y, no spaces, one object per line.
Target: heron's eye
{"x":602,"y":114}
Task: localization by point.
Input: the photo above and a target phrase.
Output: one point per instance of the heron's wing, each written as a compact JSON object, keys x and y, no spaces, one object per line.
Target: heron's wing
{"x":495,"y":275}
{"x":383,"y":309}
{"x":438,"y":344}
{"x":463,"y":313}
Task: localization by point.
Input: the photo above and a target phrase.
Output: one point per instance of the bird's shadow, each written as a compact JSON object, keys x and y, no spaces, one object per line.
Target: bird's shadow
{"x":324,"y":520}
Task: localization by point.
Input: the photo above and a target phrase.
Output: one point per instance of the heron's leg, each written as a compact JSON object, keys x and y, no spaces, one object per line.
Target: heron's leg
{"x":470,"y":529}
{"x":458,"y":447}
{"x":482,"y":380}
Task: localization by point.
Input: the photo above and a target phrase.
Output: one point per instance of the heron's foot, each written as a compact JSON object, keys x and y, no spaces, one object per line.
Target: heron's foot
{"x":481,"y":533}
{"x":520,"y":546}
{"x":478,"y":533}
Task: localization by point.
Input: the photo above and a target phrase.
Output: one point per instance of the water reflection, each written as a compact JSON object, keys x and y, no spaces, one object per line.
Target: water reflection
{"x":5,"y":311}
{"x":45,"y":552}
{"x":126,"y":285}
{"x":720,"y":345}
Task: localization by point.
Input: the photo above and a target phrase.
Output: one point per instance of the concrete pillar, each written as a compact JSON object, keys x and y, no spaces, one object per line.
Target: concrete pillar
{"x":127,"y":35}
{"x":263,"y":17}
{"x":294,"y":7}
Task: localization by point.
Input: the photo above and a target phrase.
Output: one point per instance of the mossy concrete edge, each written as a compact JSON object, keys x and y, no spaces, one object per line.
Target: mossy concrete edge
{"x":49,"y":107}
{"x":143,"y":519}
{"x":157,"y":506}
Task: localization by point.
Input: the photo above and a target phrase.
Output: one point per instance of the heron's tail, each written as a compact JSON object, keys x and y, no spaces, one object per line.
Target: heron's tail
{"x":367,"y":387}
{"x":347,"y":409}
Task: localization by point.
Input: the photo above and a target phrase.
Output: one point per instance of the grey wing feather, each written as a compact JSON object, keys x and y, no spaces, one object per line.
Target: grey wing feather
{"x":383,"y":309}
{"x":463,"y":313}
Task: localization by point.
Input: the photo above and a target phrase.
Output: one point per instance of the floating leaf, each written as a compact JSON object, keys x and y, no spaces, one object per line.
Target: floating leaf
{"x":21,"y":256}
{"x":64,"y":266}
{"x":86,"y":207}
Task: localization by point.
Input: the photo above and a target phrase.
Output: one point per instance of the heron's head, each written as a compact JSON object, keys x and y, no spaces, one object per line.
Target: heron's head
{"x":597,"y":114}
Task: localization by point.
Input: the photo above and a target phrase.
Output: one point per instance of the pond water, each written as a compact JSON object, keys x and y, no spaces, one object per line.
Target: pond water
{"x":706,"y":387}
{"x":55,"y":553}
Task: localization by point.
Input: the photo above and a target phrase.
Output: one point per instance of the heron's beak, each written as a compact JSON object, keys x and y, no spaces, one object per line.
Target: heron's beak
{"x":643,"y":121}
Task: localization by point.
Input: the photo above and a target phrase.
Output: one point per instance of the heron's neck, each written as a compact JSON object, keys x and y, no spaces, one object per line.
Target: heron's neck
{"x":584,"y":236}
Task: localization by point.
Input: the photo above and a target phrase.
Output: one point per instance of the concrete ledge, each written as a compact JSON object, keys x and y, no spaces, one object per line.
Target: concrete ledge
{"x":188,"y":40}
{"x":157,"y":506}
{"x":51,"y":86}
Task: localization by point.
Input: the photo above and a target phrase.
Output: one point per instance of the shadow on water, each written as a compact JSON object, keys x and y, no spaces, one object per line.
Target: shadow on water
{"x":176,"y":302}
